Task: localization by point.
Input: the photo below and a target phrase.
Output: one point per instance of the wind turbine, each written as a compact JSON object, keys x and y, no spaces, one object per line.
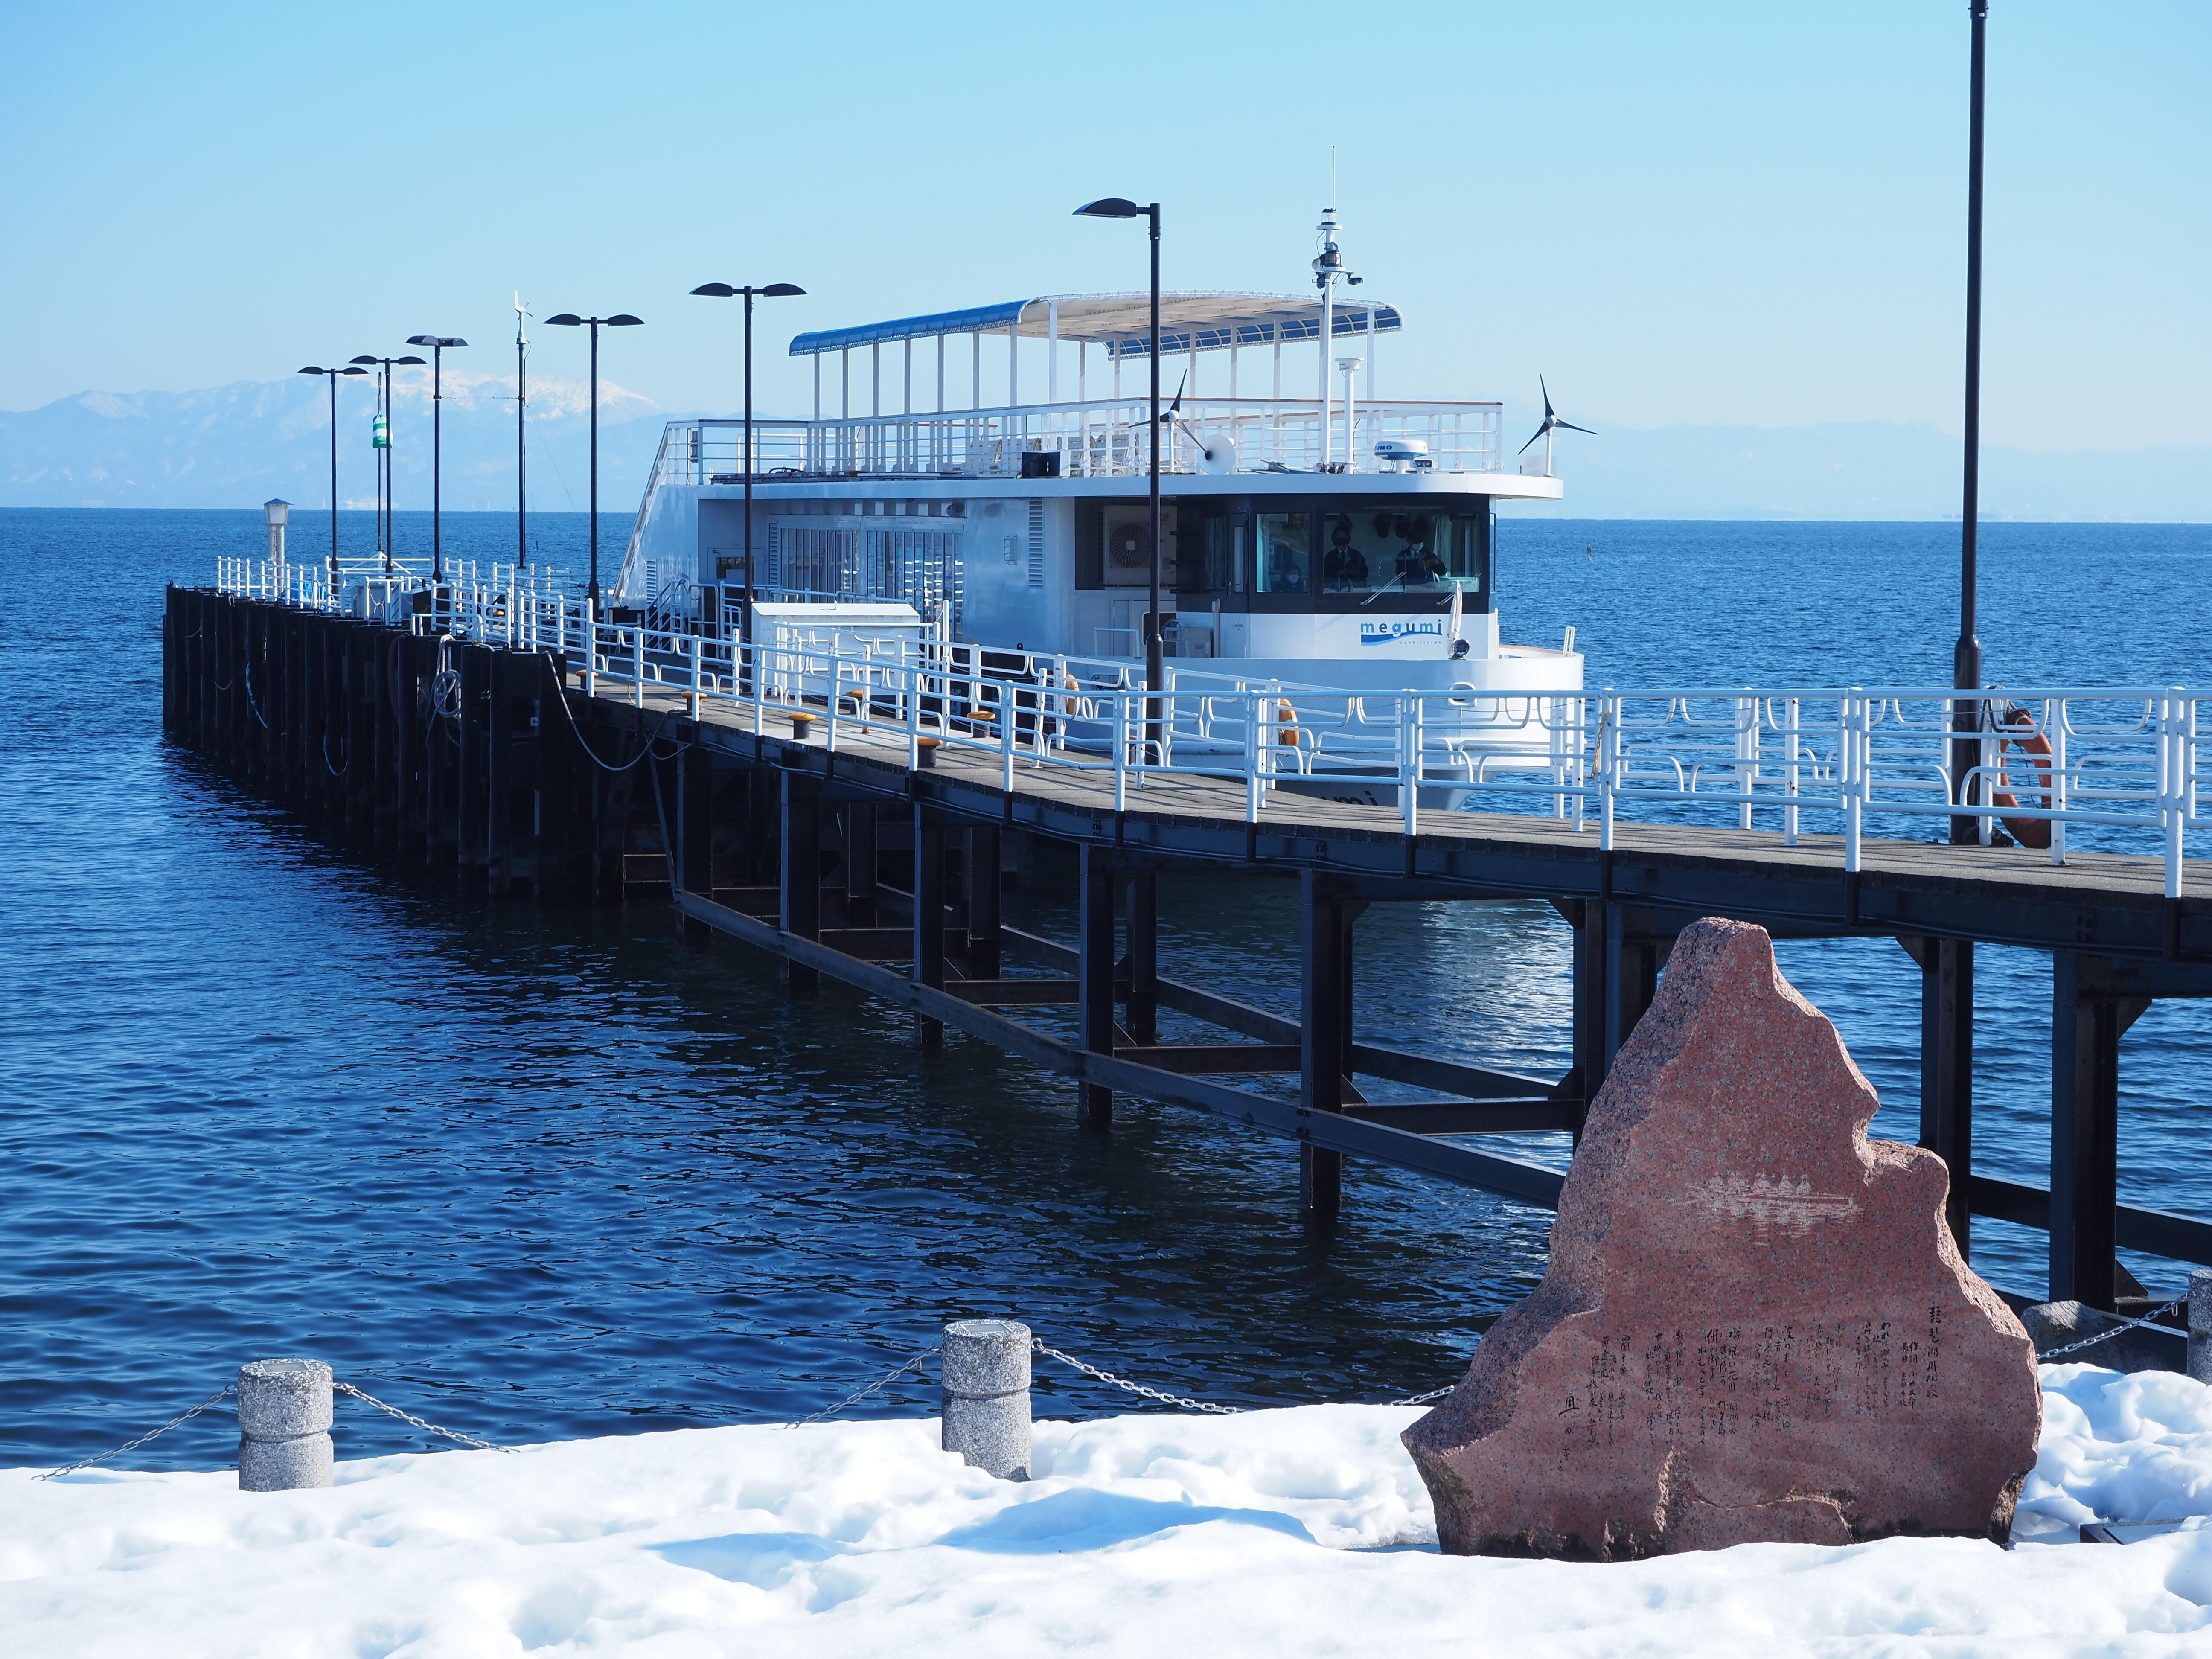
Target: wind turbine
{"x":1552,"y":423}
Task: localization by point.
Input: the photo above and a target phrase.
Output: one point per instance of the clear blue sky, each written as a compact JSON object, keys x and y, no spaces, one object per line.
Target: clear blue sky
{"x":1712,"y":213}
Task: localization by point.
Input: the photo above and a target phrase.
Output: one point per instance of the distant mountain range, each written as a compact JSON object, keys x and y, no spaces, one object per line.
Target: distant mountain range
{"x":236,"y":446}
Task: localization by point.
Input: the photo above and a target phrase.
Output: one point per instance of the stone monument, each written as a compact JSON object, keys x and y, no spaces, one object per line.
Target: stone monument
{"x":1755,"y":1325}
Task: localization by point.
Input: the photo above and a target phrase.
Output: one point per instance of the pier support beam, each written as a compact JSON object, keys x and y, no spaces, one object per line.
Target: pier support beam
{"x":859,"y":827}
{"x":2087,"y":1021}
{"x":1094,"y":952}
{"x":1326,"y":910}
{"x":801,"y":908}
{"x":1143,"y":1021}
{"x":981,"y":869}
{"x":1946,"y":1065}
{"x":929,"y":916}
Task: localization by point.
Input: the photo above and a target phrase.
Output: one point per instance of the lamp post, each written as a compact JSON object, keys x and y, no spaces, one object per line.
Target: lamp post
{"x":1966,"y":655}
{"x":382,"y":443}
{"x":333,"y":376}
{"x":438,"y":344}
{"x":772,"y":291}
{"x":570,"y":319}
{"x":1116,"y":207}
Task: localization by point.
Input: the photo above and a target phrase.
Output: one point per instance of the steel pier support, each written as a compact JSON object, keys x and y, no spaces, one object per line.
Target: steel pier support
{"x":929,"y":916}
{"x":861,"y":864}
{"x":1326,"y":912}
{"x":981,"y":867}
{"x":801,"y":907}
{"x":1946,"y":1065}
{"x":1094,"y":953}
{"x":2085,"y":1126}
{"x":1143,"y":1021}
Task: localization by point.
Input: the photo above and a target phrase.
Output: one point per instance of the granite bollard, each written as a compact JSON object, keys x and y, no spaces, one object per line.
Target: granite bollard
{"x":986,"y":1395}
{"x":1754,"y":1327}
{"x":284,"y":1410}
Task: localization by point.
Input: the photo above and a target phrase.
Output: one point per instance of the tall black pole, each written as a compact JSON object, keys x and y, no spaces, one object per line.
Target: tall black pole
{"x":521,"y":454}
{"x":333,"y":380}
{"x":749,"y":457}
{"x":593,"y":590}
{"x":1155,"y":669}
{"x":384,"y":473}
{"x":1966,"y":658}
{"x":437,"y":466}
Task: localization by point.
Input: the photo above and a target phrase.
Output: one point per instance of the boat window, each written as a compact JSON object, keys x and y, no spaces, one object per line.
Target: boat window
{"x":1463,"y":550}
{"x":1284,"y":553}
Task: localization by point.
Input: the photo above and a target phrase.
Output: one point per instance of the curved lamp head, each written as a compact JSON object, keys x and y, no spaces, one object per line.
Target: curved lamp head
{"x":714,"y":291}
{"x":409,"y":358}
{"x":565,"y":319}
{"x":368,"y":360}
{"x":312,"y":369}
{"x":782,"y":290}
{"x":623,"y":320}
{"x":433,"y":340}
{"x":1110,"y":207}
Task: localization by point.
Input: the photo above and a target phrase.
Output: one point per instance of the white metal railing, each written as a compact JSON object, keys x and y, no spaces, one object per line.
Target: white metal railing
{"x":1099,"y":438}
{"x":2119,"y":764}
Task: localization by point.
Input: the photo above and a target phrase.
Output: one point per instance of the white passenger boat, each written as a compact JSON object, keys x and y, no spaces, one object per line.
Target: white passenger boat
{"x":1335,"y":541}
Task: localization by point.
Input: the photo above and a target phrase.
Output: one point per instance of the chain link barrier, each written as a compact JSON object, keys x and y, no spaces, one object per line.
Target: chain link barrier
{"x":133,"y":1445}
{"x":410,"y":1417}
{"x":2148,"y":1322}
{"x":910,"y":1364}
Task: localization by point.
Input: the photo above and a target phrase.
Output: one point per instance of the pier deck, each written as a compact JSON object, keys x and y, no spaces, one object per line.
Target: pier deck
{"x":466,"y":759}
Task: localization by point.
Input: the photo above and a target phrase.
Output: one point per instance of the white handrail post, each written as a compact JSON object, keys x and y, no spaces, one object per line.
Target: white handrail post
{"x":693,"y":643}
{"x":1608,"y":763}
{"x":591,"y":651}
{"x":2055,"y":722}
{"x":1007,"y":737}
{"x":1747,"y":753}
{"x":912,"y":717}
{"x":1253,"y":752}
{"x":1409,"y":748}
{"x":637,"y":664}
{"x":2171,"y":790}
{"x":1120,"y":748}
{"x":1790,"y":812}
{"x":1856,"y":730}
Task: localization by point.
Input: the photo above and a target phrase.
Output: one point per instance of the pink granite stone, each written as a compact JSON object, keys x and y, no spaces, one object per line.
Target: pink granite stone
{"x":1755,"y":1325}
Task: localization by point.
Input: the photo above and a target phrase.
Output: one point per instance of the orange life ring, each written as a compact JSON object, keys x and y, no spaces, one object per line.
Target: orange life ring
{"x":2028,"y":832}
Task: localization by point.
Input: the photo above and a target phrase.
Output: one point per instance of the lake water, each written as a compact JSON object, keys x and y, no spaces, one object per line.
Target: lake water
{"x":542,"y":1171}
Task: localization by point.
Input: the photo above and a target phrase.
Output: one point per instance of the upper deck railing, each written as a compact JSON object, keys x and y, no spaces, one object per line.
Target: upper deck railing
{"x":1103,"y":438}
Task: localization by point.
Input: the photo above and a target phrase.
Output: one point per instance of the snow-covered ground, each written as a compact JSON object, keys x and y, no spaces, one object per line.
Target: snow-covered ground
{"x":1300,"y":1531}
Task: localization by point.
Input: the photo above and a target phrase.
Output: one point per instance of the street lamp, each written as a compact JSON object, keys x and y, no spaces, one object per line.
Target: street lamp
{"x":381,"y":441}
{"x":1967,"y":655}
{"x":570,"y":319}
{"x":438,"y":344}
{"x":772,"y":291}
{"x":1116,"y":207}
{"x":333,"y":376}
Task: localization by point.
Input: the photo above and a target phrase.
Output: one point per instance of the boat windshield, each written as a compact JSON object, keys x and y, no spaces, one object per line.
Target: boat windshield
{"x":1362,"y":549}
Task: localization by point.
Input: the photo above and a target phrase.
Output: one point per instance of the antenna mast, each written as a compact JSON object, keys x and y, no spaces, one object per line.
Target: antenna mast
{"x":1329,"y":270}
{"x":521,"y":393}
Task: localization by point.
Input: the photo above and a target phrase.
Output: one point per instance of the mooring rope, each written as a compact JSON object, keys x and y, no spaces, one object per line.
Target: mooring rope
{"x":561,"y":687}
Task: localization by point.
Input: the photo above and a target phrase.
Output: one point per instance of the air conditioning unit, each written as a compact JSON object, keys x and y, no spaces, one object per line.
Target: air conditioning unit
{"x":1128,"y":547}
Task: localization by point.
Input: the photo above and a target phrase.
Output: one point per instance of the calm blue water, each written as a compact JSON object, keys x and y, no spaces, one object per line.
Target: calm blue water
{"x":543,"y":1171}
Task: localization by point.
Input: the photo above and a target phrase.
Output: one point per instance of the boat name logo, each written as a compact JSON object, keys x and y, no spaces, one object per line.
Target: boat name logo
{"x":1382,"y":632}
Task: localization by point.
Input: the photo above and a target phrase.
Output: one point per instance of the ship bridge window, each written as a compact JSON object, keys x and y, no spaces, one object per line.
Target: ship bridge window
{"x":1284,"y":553}
{"x":1391,"y":547}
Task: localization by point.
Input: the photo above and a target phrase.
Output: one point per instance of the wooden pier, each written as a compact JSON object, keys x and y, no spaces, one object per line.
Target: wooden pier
{"x":857,"y":865}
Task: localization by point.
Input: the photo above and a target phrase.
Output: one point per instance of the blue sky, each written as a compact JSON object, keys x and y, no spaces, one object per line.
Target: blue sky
{"x":1711,"y":213}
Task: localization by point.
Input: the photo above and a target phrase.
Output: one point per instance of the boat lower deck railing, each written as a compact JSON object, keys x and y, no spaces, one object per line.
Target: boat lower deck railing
{"x":2103,"y":768}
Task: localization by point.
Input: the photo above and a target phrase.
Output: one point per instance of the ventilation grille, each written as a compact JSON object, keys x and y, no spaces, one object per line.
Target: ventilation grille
{"x":1037,"y":545}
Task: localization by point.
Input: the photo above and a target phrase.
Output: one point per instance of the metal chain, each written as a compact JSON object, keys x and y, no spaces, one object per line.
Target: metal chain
{"x":133,"y":1445}
{"x":907,"y":1365}
{"x":409,"y":1417}
{"x":2121,"y":1329}
{"x":1424,"y":1399}
{"x":1133,"y":1388}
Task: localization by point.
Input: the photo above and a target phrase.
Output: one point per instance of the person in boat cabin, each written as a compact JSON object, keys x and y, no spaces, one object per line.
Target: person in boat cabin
{"x":1343,"y":565}
{"x":1417,"y":565}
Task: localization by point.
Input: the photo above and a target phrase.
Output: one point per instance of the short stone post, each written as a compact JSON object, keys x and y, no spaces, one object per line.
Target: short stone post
{"x":2200,"y":1324}
{"x":986,"y":1395}
{"x":283,"y":1425}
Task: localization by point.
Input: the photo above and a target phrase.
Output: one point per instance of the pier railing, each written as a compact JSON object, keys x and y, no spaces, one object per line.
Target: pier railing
{"x":2117,"y":765}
